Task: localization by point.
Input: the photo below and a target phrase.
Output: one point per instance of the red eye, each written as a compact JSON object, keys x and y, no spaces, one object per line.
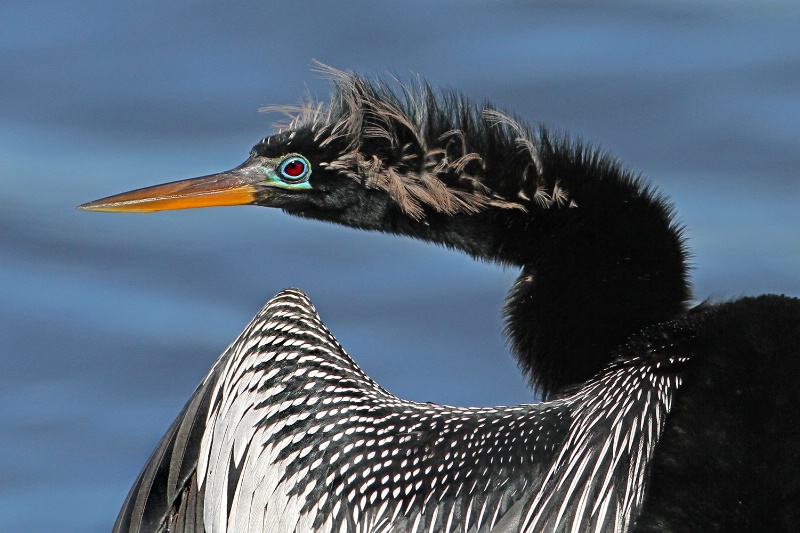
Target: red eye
{"x":294,"y":168}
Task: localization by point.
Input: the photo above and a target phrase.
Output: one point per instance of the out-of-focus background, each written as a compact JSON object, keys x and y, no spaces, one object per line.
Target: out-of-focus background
{"x":107,"y":322}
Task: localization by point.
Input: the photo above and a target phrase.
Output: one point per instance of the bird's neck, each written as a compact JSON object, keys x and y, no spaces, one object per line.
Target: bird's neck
{"x":598,"y":265}
{"x":573,"y":306}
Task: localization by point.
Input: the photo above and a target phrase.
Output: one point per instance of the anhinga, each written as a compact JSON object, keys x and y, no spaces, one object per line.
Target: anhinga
{"x":659,"y":417}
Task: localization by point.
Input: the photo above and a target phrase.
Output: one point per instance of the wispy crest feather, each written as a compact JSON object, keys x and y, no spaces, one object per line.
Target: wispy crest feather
{"x":409,"y":141}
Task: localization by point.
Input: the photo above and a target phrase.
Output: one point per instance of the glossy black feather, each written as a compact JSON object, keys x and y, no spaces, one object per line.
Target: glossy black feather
{"x":729,"y":459}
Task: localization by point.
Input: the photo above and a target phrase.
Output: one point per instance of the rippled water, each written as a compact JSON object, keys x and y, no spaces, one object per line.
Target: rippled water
{"x":108,"y":322}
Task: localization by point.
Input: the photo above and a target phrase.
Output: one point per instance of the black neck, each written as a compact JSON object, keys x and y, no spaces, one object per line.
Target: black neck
{"x":596,"y":267}
{"x":593,"y":274}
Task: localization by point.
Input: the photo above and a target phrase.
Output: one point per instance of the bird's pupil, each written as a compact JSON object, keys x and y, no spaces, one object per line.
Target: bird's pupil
{"x":294,"y":168}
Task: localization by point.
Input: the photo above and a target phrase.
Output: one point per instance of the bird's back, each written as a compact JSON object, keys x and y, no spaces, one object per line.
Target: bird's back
{"x":729,"y":459}
{"x":286,"y":433}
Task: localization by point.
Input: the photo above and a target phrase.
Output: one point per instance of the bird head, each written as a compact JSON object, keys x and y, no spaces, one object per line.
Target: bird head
{"x":375,"y":157}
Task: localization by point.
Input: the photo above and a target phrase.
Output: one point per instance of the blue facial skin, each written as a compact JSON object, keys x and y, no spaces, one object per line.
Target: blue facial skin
{"x":279,"y":172}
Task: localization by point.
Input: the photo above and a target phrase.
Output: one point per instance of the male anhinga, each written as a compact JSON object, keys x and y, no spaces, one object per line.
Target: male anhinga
{"x":660,"y":417}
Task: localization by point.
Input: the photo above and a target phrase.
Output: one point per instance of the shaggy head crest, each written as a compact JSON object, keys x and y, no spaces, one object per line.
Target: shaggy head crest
{"x":420,"y":146}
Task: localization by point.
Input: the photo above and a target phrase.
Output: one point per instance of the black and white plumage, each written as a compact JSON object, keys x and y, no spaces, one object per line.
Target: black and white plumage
{"x":288,"y":423}
{"x":654,"y":410}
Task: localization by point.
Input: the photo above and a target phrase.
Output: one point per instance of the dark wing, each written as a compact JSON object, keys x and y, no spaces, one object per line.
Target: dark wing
{"x":165,"y":496}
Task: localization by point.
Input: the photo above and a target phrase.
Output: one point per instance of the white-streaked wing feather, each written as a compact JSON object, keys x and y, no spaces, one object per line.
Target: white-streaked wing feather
{"x":287,"y":434}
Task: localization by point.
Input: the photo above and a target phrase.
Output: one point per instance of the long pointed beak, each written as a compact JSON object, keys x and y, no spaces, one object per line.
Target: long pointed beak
{"x":234,"y":187}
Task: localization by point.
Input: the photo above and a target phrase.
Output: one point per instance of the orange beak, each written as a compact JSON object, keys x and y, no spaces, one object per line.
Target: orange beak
{"x":239,"y":186}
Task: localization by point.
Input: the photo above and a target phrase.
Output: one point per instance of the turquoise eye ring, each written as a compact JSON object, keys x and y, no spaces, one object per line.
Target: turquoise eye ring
{"x":294,"y":168}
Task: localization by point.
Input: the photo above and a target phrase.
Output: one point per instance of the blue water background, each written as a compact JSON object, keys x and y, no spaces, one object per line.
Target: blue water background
{"x":107,"y":322}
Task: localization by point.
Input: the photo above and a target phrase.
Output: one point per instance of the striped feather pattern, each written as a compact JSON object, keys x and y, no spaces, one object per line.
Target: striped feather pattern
{"x":287,"y":434}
